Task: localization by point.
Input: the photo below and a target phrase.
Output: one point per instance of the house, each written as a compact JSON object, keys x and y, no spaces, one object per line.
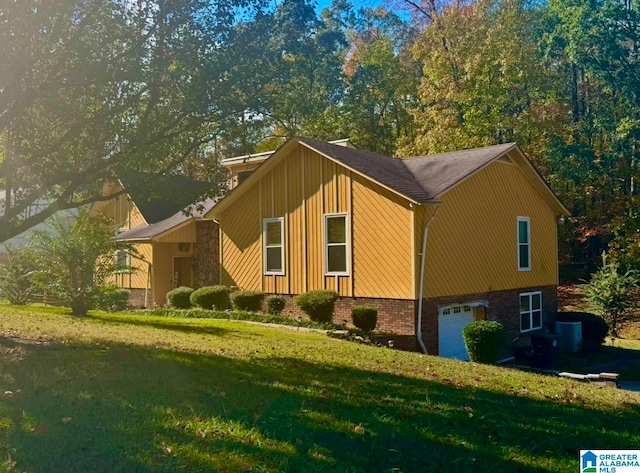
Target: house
{"x":172,"y":248}
{"x":433,"y":242}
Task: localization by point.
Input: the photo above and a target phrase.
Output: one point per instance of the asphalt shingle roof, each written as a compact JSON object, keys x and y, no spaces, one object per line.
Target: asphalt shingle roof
{"x":147,"y":232}
{"x":161,"y":196}
{"x":421,"y":179}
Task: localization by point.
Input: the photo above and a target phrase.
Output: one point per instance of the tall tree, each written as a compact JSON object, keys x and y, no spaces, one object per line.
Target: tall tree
{"x":90,"y":86}
{"x":595,"y":43}
{"x":381,"y":80}
{"x":484,"y":80}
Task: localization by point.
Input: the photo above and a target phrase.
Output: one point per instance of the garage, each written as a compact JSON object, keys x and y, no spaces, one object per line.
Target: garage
{"x":451,"y":321}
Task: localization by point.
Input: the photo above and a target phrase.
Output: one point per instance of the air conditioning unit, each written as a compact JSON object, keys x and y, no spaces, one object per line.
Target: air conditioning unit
{"x":570,"y":336}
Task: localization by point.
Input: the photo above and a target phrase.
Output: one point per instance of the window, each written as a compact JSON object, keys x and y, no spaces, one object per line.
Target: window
{"x":122,"y":257}
{"x":122,"y":261}
{"x":273,"y":237}
{"x":336,"y":251}
{"x":530,"y":311}
{"x":524,"y":244}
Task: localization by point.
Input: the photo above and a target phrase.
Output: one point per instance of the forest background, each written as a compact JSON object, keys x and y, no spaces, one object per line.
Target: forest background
{"x":92,"y":88}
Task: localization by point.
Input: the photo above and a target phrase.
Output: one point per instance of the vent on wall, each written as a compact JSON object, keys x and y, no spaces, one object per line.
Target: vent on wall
{"x":570,"y":336}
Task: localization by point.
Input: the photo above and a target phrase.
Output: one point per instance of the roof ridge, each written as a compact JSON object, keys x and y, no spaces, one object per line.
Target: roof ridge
{"x":462,"y":151}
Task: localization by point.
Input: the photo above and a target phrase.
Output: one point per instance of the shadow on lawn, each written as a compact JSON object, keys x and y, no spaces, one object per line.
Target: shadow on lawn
{"x":165,"y":324}
{"x":135,"y":409}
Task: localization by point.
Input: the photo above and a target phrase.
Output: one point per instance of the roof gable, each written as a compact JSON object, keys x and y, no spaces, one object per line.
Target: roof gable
{"x":392,"y":173}
{"x":440,"y":172}
{"x":421,"y":180}
{"x":159,"y":197}
{"x":158,"y":229}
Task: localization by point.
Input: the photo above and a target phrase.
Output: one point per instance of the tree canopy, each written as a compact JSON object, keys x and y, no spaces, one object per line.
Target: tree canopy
{"x":89,"y":88}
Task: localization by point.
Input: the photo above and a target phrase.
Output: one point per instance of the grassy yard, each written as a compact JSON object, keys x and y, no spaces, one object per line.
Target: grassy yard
{"x":116,"y":393}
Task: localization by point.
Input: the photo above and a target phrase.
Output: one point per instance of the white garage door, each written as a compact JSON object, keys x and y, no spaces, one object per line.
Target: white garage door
{"x":451,"y":321}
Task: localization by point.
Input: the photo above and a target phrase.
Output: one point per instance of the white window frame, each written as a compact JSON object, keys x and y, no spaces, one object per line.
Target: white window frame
{"x":521,"y":267}
{"x":265,"y":222}
{"x":346,"y":244}
{"x":530,"y":311}
{"x":117,"y":253}
{"x":127,"y":261}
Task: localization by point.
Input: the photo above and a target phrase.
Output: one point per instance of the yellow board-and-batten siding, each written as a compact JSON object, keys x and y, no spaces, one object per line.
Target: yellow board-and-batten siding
{"x":126,"y":215}
{"x":302,"y":188}
{"x":472,"y":242}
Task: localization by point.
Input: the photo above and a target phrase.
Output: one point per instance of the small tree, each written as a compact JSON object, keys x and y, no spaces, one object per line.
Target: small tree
{"x":76,"y":257}
{"x":17,"y":274}
{"x":611,"y":294}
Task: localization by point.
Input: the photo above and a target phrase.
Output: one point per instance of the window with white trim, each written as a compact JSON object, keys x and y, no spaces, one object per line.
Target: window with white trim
{"x":336,"y":245}
{"x":273,"y":238}
{"x":530,"y":311}
{"x":122,"y":257}
{"x":524,"y":244}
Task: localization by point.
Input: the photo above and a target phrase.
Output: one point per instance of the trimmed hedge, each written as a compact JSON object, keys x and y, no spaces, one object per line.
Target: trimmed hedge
{"x":211,"y":297}
{"x":318,"y":305}
{"x":275,"y":304}
{"x":111,"y":298}
{"x":594,"y":327}
{"x":484,"y":340}
{"x":195,"y":313}
{"x":180,"y":297}
{"x":250,"y":301}
{"x":365,"y":317}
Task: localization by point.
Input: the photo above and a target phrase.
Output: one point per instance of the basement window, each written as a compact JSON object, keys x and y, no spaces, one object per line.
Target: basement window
{"x":530,"y":311}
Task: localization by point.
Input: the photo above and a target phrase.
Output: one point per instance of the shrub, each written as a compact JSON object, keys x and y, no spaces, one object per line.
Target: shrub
{"x":318,"y":305}
{"x":610,"y":293}
{"x":180,"y":297}
{"x":275,"y":304}
{"x":594,"y":327}
{"x":211,"y":297}
{"x":17,"y":275}
{"x":250,"y":301}
{"x":111,"y":298}
{"x":484,"y":340}
{"x":365,"y":317}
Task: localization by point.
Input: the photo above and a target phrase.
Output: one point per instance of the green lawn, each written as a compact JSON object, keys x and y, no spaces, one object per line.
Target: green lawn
{"x":141,"y":394}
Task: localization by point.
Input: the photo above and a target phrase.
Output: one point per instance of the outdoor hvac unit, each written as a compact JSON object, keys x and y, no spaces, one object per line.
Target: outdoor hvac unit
{"x":570,"y":335}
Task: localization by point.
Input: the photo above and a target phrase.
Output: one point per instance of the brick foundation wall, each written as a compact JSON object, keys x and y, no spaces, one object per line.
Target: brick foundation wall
{"x":206,"y":267}
{"x":136,"y":298}
{"x":396,"y":317}
{"x":504,"y":307}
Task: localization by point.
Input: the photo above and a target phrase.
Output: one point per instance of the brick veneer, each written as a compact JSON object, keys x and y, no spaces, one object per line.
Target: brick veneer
{"x":398,"y":317}
{"x":136,"y":298}
{"x":504,"y":307}
{"x":206,"y":268}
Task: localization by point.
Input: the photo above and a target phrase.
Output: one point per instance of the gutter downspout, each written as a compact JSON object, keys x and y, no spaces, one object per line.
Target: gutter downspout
{"x":422,"y":265}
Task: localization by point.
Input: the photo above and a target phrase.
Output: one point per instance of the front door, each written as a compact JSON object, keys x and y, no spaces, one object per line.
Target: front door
{"x":182,"y":272}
